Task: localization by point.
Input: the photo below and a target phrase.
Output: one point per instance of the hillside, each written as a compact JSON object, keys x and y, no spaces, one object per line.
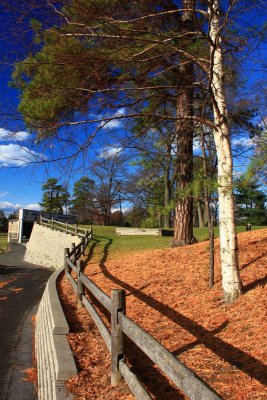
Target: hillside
{"x":167,"y":294}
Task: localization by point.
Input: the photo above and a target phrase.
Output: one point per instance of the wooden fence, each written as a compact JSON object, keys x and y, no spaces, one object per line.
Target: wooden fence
{"x":182,"y":376}
{"x":64,"y":227}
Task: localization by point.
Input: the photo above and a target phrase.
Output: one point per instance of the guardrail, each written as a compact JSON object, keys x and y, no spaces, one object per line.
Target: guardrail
{"x":182,"y":376}
{"x":63,"y":227}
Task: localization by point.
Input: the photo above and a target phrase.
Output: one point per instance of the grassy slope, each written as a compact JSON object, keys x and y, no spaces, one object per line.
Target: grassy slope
{"x":3,"y":242}
{"x":104,"y":237}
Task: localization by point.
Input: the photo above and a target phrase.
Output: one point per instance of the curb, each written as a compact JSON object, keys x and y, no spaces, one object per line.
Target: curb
{"x":55,"y":362}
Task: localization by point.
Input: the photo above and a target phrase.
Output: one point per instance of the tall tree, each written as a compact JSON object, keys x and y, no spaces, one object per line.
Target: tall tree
{"x":231,"y":281}
{"x":82,"y":203}
{"x":250,"y":202}
{"x":55,"y":197}
{"x":156,"y":153}
{"x":183,"y":232}
{"x":109,"y":177}
{"x":3,"y":221}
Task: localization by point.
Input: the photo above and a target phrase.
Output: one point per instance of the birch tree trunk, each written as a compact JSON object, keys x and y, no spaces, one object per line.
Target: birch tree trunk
{"x":231,"y":281}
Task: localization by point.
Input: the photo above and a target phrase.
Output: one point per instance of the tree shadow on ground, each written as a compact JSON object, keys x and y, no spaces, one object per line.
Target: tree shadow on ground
{"x":236,"y":357}
{"x":7,"y":270}
{"x":87,"y":257}
{"x":253,"y":285}
{"x":253,"y":260}
{"x":154,"y":381}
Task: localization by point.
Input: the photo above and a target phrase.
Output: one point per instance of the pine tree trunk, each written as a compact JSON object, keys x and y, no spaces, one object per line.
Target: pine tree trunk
{"x":231,"y":281}
{"x":183,"y":223}
{"x":183,"y":228}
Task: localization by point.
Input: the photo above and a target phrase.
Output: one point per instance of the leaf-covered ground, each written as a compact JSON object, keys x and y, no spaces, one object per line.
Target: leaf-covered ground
{"x":167,"y":294}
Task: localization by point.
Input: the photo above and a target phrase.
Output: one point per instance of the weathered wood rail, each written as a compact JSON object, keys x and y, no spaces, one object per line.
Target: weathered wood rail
{"x":64,"y":227}
{"x":182,"y":376}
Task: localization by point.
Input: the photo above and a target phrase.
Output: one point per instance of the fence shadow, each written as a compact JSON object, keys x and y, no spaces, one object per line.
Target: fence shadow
{"x":229,"y":353}
{"x":90,"y":253}
{"x":70,"y":310}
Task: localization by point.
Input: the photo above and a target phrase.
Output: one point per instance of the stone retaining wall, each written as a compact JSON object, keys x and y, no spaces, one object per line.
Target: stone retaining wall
{"x":46,"y":246}
{"x":138,"y":231}
{"x":55,"y":362}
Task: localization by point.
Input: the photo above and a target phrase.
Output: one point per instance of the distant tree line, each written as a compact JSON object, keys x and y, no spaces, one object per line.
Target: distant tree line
{"x":4,"y":220}
{"x":112,"y":195}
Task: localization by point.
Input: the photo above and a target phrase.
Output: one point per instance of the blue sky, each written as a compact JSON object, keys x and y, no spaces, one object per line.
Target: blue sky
{"x":20,"y":185}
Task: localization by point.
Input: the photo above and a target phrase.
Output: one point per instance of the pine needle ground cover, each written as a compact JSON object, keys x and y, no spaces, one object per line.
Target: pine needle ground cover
{"x":167,"y":294}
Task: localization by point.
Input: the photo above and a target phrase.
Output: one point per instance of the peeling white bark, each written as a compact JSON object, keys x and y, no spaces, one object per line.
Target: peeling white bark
{"x":231,"y":281}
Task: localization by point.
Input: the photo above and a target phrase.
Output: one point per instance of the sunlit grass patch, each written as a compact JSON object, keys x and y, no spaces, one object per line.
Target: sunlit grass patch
{"x":105,"y":240}
{"x":3,"y":242}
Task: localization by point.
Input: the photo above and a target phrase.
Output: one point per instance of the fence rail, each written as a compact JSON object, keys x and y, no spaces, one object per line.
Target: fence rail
{"x":182,"y":376}
{"x":63,"y":227}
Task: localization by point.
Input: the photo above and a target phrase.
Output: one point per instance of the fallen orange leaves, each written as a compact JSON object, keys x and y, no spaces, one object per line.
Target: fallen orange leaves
{"x":3,"y":284}
{"x":17,"y":290}
{"x":168,"y":295}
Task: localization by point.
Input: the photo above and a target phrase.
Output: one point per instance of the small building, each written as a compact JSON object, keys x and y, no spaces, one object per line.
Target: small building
{"x":19,"y":230}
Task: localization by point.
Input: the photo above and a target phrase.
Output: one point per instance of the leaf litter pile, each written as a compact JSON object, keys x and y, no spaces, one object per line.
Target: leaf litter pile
{"x":167,"y":294}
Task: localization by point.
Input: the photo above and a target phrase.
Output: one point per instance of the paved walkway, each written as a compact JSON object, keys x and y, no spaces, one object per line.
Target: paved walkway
{"x":21,"y":288}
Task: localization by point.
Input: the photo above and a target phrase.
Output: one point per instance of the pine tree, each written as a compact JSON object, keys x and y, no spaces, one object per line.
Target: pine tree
{"x":55,"y":197}
{"x":82,"y":203}
{"x":250,"y":202}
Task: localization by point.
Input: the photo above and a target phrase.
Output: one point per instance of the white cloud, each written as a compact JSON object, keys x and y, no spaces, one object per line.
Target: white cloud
{"x":32,"y":206}
{"x":3,"y":194}
{"x":9,"y":207}
{"x":123,"y":209}
{"x":14,"y":155}
{"x":114,"y":123}
{"x":7,"y":135}
{"x":237,"y":174}
{"x":110,"y":151}
{"x":243,"y":142}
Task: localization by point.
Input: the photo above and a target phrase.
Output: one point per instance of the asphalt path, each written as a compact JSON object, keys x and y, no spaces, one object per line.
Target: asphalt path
{"x":21,"y":288}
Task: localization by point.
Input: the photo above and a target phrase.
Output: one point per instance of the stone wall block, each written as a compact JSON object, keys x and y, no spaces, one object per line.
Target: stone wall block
{"x":55,"y":362}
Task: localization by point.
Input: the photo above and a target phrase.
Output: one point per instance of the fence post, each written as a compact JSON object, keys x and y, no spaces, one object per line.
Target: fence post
{"x":80,"y":289}
{"x":66,"y":255}
{"x":66,"y":227}
{"x":52,"y":222}
{"x":83,"y":242}
{"x":76,"y":229}
{"x":117,"y":350}
{"x":74,"y":255}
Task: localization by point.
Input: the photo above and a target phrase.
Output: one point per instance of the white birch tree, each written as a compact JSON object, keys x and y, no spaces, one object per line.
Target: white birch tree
{"x":231,"y":281}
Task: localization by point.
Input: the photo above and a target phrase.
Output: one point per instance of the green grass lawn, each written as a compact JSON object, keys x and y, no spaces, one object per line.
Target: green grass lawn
{"x":106,"y":241}
{"x":3,"y":242}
